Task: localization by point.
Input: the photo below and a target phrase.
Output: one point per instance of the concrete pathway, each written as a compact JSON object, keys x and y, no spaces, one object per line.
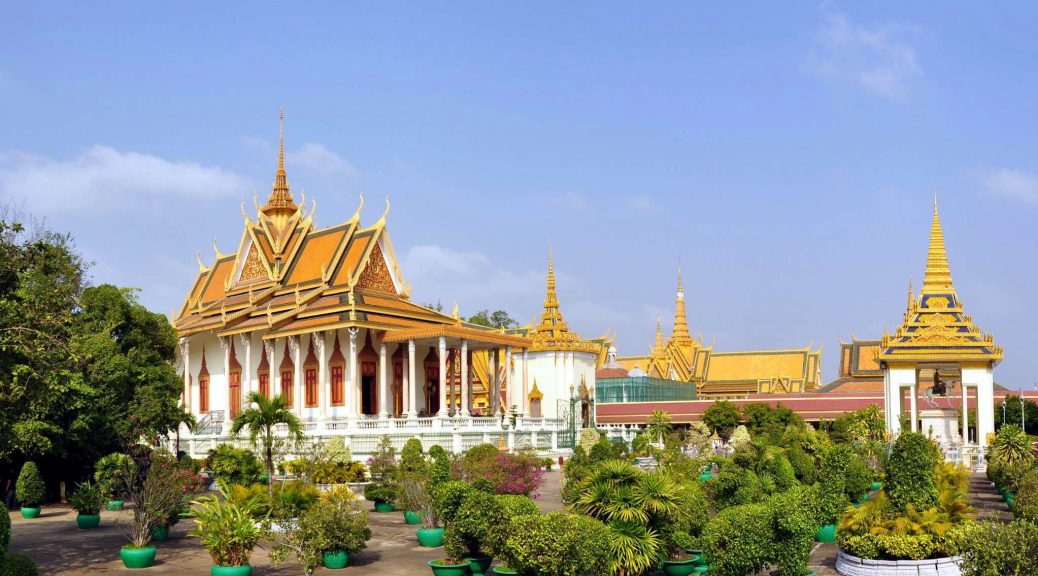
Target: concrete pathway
{"x":986,"y":499}
{"x":61,"y":548}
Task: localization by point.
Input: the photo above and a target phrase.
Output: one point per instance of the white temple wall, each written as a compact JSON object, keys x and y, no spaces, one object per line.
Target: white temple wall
{"x":894,"y":380}
{"x":983,"y":380}
{"x":555,"y":373}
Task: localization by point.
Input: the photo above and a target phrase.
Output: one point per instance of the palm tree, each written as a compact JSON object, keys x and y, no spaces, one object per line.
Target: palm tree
{"x":187,"y":419}
{"x":261,"y":417}
{"x":658,"y":425}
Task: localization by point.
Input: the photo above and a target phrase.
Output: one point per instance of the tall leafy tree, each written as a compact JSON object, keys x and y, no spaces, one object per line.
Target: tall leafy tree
{"x":260,"y":418}
{"x":495,"y":319}
{"x":722,"y":417}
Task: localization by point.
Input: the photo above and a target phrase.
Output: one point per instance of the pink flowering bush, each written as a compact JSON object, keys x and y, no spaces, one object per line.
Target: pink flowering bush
{"x":509,"y":473}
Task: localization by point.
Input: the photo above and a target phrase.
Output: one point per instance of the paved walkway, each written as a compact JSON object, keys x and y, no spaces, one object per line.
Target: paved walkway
{"x":986,"y":499}
{"x":61,"y":548}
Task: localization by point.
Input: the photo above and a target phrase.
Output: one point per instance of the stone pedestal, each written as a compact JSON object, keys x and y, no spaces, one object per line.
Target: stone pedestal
{"x":942,"y":424}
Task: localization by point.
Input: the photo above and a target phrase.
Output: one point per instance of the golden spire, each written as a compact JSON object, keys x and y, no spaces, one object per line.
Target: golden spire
{"x":659,"y":333}
{"x":911,"y":296}
{"x":680,"y":334}
{"x":937,"y":279}
{"x":552,"y":333}
{"x":280,"y":201}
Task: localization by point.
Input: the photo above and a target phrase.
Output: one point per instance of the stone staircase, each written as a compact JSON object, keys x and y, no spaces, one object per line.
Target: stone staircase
{"x":986,"y":499}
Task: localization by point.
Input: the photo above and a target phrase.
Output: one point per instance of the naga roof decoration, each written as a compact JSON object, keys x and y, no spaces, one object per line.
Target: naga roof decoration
{"x":935,"y":327}
{"x":289,"y":278}
{"x":553,"y":334}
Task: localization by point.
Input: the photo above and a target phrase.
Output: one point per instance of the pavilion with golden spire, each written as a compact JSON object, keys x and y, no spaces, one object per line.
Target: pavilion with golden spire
{"x":684,"y":358}
{"x":937,"y":344}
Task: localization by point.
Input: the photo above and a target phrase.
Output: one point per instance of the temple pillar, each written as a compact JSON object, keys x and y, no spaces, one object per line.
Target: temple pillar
{"x":982,"y":379}
{"x":352,"y":384}
{"x":524,"y":401}
{"x":491,"y":386}
{"x":225,"y":343}
{"x":383,"y":382}
{"x":185,"y":355}
{"x":322,"y":376}
{"x":443,"y":378}
{"x":246,"y":373}
{"x":464,"y":408}
{"x":913,"y":409}
{"x":412,"y":405}
{"x":295,"y":346}
{"x":509,"y":393}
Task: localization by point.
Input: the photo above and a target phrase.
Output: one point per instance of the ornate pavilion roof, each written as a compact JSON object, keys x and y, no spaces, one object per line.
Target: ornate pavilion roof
{"x":289,"y":277}
{"x":552,"y":333}
{"x":935,"y":327}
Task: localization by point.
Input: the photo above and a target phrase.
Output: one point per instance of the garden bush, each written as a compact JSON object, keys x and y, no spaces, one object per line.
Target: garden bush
{"x":910,"y":473}
{"x":112,"y":473}
{"x":857,"y":478}
{"x":739,"y":540}
{"x":479,"y":460}
{"x":793,"y":527}
{"x":18,"y":565}
{"x":1025,"y":505}
{"x":412,"y":460}
{"x":440,"y":469}
{"x":448,"y":497}
{"x":994,"y":548}
{"x":803,"y":464}
{"x":559,"y":544}
{"x":479,"y":527}
{"x":5,"y":532}
{"x":832,"y":476}
{"x":232,"y":466}
{"x":517,"y":505}
{"x":29,"y":488}
{"x":483,"y":485}
{"x":735,"y":486}
{"x":380,"y":492}
{"x":332,"y":525}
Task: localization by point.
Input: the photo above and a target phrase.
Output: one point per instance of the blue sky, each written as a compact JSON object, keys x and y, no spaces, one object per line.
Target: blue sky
{"x":785,"y":155}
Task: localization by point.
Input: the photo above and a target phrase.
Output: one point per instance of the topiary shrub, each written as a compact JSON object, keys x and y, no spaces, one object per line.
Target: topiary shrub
{"x":739,"y":540}
{"x":412,"y":461}
{"x":448,"y":497}
{"x":517,"y":505}
{"x":735,"y":486}
{"x":559,"y":544}
{"x":857,"y":478}
{"x":833,"y":484}
{"x":1025,"y":505}
{"x":910,"y":473}
{"x":483,"y":485}
{"x":5,"y":531}
{"x":18,"y":565}
{"x":480,"y":527}
{"x":29,"y":488}
{"x":793,"y":528}
{"x":803,"y":464}
{"x":440,"y":470}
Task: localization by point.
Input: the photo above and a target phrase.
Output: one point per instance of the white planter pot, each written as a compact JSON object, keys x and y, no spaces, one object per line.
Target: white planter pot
{"x":848,"y":565}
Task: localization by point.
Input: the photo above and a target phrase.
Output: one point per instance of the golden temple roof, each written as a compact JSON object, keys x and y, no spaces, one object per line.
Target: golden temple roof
{"x":680,"y":334}
{"x":280,"y":201}
{"x":935,"y":328}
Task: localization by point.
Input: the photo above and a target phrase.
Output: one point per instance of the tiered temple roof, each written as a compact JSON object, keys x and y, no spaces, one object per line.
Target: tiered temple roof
{"x":935,"y":327}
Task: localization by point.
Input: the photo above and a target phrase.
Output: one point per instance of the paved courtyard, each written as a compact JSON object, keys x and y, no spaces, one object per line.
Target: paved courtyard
{"x":61,"y":548}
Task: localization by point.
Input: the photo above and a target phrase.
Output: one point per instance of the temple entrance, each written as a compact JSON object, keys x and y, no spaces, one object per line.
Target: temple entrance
{"x":368,"y":388}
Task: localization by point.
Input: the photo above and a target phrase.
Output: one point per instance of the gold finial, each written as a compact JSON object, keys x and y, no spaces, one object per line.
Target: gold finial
{"x":911,"y":295}
{"x":198,"y":257}
{"x":680,"y":334}
{"x":356,"y":215}
{"x":281,"y":139}
{"x":937,"y":279}
{"x":659,"y":332}
{"x":280,"y":201}
{"x":382,"y":219}
{"x":681,"y":289}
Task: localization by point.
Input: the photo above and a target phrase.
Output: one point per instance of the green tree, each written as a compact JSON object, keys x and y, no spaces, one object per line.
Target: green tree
{"x":658,"y":425}
{"x":495,"y":319}
{"x":260,"y":418}
{"x":722,"y":417}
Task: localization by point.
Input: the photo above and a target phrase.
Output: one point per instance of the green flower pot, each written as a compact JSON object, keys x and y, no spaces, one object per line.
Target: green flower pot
{"x":876,"y":486}
{"x":336,"y":560}
{"x":826,"y":534}
{"x":699,"y":560}
{"x":448,"y":569}
{"x":430,"y":537}
{"x":29,"y":513}
{"x":88,"y":521}
{"x":231,"y":570}
{"x":159,"y":533}
{"x":701,"y":569}
{"x":137,"y":557}
{"x":502,"y":571}
{"x":384,"y":507}
{"x":1009,"y":500}
{"x":412,"y":518}
{"x":705,"y":476}
{"x":479,"y":566}
{"x":679,"y":567}
{"x":114,"y":505}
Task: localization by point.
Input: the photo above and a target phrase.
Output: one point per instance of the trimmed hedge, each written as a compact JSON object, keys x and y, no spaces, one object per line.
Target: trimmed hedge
{"x":793,"y":527}
{"x":29,"y":488}
{"x":517,"y":505}
{"x":858,"y":478}
{"x":448,"y":497}
{"x":833,"y":484}
{"x":1025,"y":505}
{"x":739,"y":540}
{"x":479,"y":527}
{"x":18,"y":565}
{"x":910,"y":473}
{"x":559,"y":544}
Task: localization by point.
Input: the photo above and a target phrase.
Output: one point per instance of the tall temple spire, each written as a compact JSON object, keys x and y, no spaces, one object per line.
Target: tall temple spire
{"x":280,"y":201}
{"x":911,"y":295}
{"x":937,"y":279}
{"x":680,"y":334}
{"x":552,"y":333}
{"x":659,"y":333}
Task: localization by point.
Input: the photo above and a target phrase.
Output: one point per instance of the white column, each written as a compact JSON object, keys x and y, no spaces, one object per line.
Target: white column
{"x":982,"y":379}
{"x":322,"y":376}
{"x":524,"y":402}
{"x":185,"y":356}
{"x":492,"y":395}
{"x":274,"y":378}
{"x":246,"y":372}
{"x":225,"y":343}
{"x":509,"y":393}
{"x":295,"y":346}
{"x":383,"y":382}
{"x":353,"y":386}
{"x":912,"y":404}
{"x":405,"y":395}
{"x":443,"y":378}
{"x":894,"y":380}
{"x":465,"y":378}
{"x":412,"y":408}
{"x":965,"y":417}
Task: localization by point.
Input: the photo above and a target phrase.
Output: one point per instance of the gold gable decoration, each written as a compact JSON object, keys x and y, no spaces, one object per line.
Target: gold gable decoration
{"x":552,"y":333}
{"x":253,"y":268}
{"x":375,"y":276}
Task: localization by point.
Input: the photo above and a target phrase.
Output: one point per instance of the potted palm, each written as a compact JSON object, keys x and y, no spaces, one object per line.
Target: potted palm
{"x":111,"y":473}
{"x":260,"y":419}
{"x":228,"y":530}
{"x":159,"y":491}
{"x":30,"y":490}
{"x":86,"y":501}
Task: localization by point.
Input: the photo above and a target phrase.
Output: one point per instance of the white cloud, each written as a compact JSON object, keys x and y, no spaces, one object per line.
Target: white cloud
{"x":1012,"y":184}
{"x":574,"y":201}
{"x":642,"y":203}
{"x":876,"y":58}
{"x":103,"y":177}
{"x":317,"y":159}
